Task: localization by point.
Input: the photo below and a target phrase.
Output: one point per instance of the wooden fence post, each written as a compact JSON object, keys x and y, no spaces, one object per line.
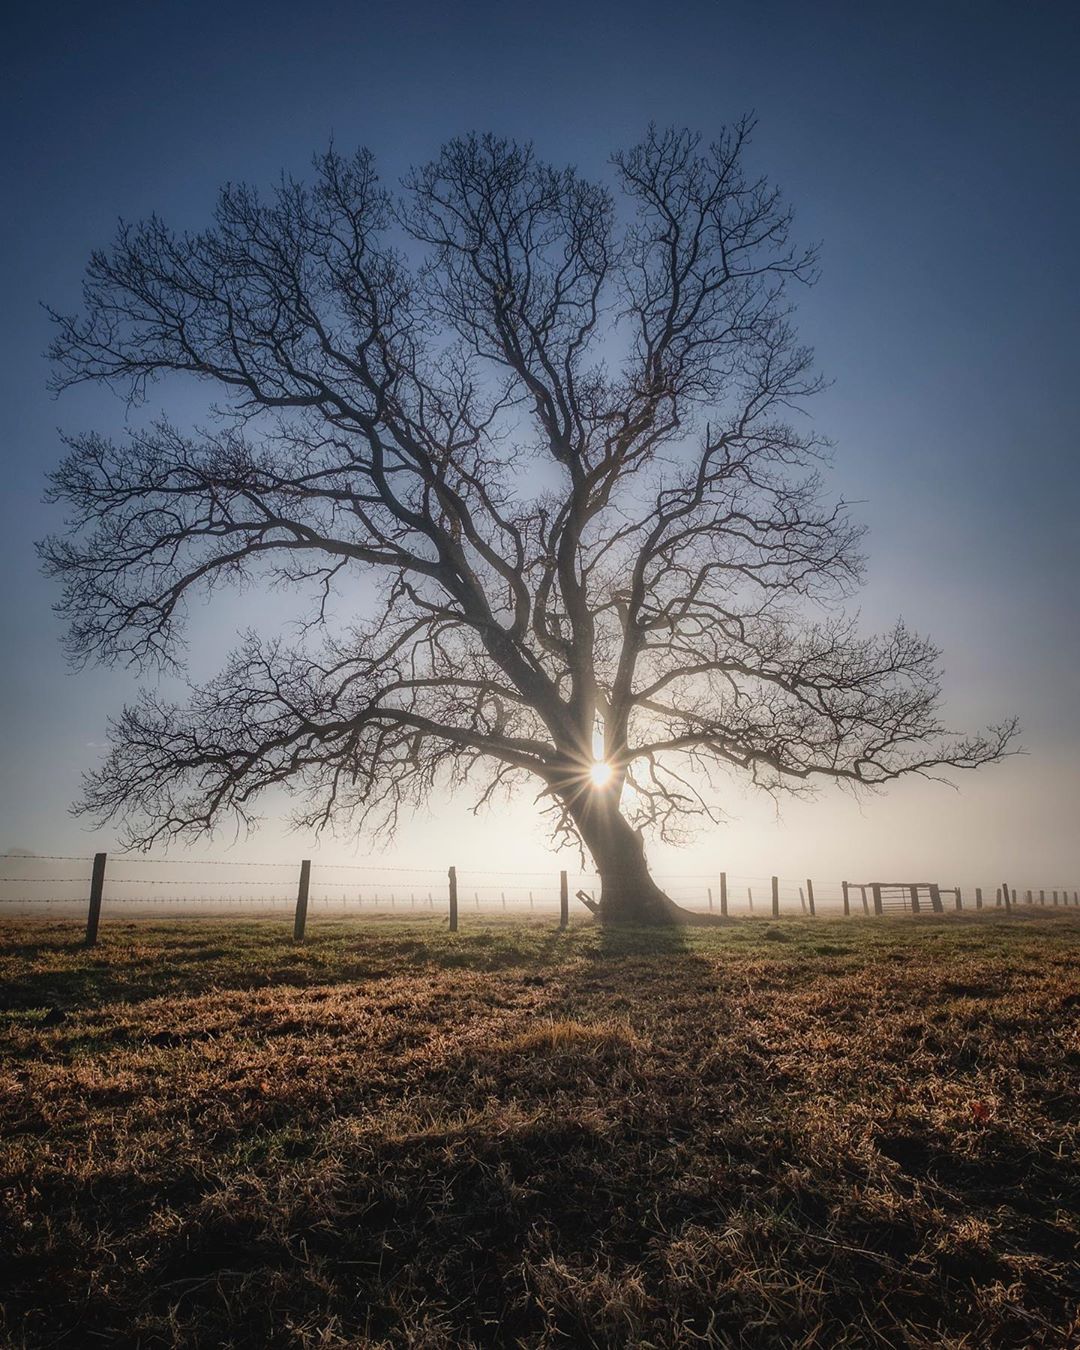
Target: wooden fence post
{"x":1028,"y":897}
{"x":847,"y":898}
{"x":776,"y":897}
{"x":935,"y":898}
{"x":914,"y":890}
{"x":865,"y":906}
{"x":1005,"y":893}
{"x":723,"y":893}
{"x":750,"y":898}
{"x":564,"y":900}
{"x":959,"y":900}
{"x":709,"y":889}
{"x":802,"y":900}
{"x":810,"y":897}
{"x":1042,"y":897}
{"x":300,"y":922}
{"x":1055,"y":899}
{"x":875,"y":890}
{"x":97,"y":887}
{"x":978,"y":897}
{"x":452,"y":875}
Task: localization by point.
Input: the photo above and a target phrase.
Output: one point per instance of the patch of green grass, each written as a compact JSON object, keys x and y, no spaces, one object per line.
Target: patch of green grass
{"x":863,"y":1132}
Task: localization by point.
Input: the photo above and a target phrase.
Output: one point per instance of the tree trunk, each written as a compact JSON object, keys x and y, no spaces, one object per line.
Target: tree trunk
{"x":628,"y":894}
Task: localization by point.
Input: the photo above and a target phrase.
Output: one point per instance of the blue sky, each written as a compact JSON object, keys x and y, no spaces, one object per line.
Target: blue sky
{"x":931,"y":148}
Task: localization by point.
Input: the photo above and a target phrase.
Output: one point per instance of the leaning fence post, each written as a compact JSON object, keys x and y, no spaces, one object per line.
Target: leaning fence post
{"x":452,"y":874}
{"x":875,"y":890}
{"x":776,"y":897}
{"x":914,"y":899}
{"x":865,"y":906}
{"x":300,"y":922}
{"x":709,"y":890}
{"x":723,"y":893}
{"x":978,"y":897}
{"x":935,"y":898}
{"x":564,"y":901}
{"x":1005,"y":893}
{"x":959,"y":900}
{"x":810,"y":897}
{"x":847,"y":899}
{"x":97,"y":886}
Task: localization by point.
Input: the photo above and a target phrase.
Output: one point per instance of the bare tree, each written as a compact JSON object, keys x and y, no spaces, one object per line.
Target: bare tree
{"x":560,"y":438}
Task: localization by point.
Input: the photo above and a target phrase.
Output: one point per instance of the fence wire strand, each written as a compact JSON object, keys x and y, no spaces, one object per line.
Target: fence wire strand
{"x":375,"y":886}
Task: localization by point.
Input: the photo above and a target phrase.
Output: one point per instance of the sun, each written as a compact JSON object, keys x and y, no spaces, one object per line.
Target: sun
{"x":600,"y":773}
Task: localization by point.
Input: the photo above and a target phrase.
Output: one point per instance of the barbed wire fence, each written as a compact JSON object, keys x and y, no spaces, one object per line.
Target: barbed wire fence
{"x":137,"y":886}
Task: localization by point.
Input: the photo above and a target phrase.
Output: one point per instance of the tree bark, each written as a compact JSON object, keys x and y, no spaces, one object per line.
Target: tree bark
{"x":628,"y":893}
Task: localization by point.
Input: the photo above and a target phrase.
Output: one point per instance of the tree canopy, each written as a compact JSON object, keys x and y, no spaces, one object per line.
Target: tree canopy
{"x":559,"y":422}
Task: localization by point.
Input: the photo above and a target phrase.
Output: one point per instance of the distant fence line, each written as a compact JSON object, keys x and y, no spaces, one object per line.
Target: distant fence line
{"x":438,"y":889}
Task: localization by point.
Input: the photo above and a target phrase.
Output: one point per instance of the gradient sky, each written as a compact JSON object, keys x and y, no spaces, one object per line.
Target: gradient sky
{"x":932,"y":148}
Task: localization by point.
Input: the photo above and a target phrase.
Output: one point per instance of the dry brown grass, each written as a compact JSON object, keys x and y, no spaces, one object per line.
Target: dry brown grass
{"x":865,"y":1135}
{"x":567,"y":1036}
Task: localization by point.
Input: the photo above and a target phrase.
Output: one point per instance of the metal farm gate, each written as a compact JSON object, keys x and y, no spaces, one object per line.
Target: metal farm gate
{"x":904,"y":897}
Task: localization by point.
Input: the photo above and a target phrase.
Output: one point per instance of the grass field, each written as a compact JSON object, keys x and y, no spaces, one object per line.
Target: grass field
{"x":828,"y":1133}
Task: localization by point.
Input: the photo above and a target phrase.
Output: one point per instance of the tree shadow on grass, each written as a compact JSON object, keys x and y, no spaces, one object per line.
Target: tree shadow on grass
{"x":622,"y":941}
